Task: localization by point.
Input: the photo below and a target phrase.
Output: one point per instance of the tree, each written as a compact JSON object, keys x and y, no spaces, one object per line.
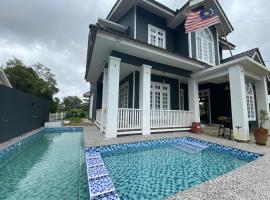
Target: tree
{"x":72,"y":102}
{"x":55,"y":105}
{"x":37,"y":80}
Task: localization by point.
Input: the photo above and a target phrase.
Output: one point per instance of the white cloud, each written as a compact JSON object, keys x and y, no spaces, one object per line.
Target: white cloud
{"x":55,"y":33}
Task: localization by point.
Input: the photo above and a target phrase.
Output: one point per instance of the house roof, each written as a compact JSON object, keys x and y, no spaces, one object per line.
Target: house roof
{"x":174,"y":18}
{"x":226,"y":44}
{"x":250,"y":53}
{"x":4,"y":80}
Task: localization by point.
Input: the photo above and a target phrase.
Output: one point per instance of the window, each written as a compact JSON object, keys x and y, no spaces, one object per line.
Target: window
{"x":250,"y":102}
{"x":182,"y":99}
{"x":156,"y":36}
{"x":123,"y":95}
{"x":205,"y":46}
{"x":160,"y":96}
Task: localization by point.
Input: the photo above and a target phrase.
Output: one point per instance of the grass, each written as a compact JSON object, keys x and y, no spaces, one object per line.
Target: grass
{"x":74,"y":121}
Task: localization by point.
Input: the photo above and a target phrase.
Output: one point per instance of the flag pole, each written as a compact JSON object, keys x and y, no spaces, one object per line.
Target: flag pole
{"x":226,"y":38}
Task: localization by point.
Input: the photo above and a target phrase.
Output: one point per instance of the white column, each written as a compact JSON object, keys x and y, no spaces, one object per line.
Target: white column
{"x":112,"y":97}
{"x":262,"y":99}
{"x":239,"y":103}
{"x":193,"y":99}
{"x":145,"y":84}
{"x":104,"y":99}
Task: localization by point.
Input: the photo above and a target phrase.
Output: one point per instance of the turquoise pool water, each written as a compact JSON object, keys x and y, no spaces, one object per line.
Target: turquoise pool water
{"x":161,"y":171}
{"x":50,"y":167}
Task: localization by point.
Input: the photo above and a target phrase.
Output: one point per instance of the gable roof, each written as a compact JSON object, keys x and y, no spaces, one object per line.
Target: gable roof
{"x":174,"y":18}
{"x":252,"y":53}
{"x":4,"y":80}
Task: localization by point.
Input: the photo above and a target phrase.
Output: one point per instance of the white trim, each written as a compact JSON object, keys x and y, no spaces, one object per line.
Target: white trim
{"x":133,"y":91}
{"x":155,"y":51}
{"x":116,"y":7}
{"x":161,"y":91}
{"x":256,"y":54}
{"x":169,"y":13}
{"x":223,"y":15}
{"x":251,"y":101}
{"x":156,"y":35}
{"x":135,"y":22}
{"x":217,"y":48}
{"x":213,"y":46}
{"x":189,"y":45}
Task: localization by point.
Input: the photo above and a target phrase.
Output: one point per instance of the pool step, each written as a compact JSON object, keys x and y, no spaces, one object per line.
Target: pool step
{"x":100,"y":184}
{"x":189,"y":147}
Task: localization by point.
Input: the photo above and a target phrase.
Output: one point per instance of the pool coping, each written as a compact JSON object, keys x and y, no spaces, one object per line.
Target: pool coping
{"x":251,"y":181}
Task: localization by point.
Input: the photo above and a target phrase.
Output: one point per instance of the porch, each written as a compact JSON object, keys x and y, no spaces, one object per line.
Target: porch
{"x":144,"y":100}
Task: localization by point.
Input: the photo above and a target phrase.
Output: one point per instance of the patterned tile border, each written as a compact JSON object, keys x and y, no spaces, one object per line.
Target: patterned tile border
{"x":17,"y":145}
{"x":241,"y":154}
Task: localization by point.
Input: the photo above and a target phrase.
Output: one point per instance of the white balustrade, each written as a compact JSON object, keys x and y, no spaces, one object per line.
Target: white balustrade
{"x":129,"y":119}
{"x":171,"y":118}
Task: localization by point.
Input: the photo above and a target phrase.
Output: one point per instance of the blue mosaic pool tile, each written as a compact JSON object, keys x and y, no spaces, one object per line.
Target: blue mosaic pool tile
{"x":91,"y":162}
{"x":100,"y":186}
{"x":109,"y":196}
{"x":97,"y":171}
{"x":14,"y":147}
{"x":92,"y":155}
{"x":64,"y":129}
{"x":241,"y":154}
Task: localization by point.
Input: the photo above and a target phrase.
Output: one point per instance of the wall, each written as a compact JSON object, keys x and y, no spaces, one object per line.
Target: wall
{"x":128,"y":20}
{"x":20,"y":113}
{"x":144,"y":18}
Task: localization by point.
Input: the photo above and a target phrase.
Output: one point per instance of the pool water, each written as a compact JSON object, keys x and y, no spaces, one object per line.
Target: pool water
{"x":51,"y":167}
{"x":161,"y":171}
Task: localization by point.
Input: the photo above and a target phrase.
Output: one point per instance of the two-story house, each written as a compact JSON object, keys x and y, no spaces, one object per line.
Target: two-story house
{"x":148,"y":75}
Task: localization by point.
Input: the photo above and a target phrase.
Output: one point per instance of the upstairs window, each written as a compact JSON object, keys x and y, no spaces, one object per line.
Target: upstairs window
{"x":205,"y":46}
{"x":156,"y":37}
{"x":250,"y":102}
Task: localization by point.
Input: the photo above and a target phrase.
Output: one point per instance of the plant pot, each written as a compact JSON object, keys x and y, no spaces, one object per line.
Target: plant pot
{"x":261,"y":135}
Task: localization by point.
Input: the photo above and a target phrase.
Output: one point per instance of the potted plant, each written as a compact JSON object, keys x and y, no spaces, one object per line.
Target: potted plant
{"x":261,"y":134}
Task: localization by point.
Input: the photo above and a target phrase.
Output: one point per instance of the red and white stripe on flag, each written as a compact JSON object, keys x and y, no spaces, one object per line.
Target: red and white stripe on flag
{"x":194,"y":21}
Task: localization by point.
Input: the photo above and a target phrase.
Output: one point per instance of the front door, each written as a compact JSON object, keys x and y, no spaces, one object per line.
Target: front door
{"x":205,"y":108}
{"x":160,"y":96}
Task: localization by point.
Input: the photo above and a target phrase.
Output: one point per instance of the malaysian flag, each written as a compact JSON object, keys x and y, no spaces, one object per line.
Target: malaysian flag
{"x":201,"y":19}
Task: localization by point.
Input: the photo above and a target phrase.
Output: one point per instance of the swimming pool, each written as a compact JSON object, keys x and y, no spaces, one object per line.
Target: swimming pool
{"x":50,"y":166}
{"x":161,"y":168}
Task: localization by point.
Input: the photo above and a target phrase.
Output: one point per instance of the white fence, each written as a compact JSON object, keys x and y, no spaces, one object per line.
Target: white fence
{"x":54,"y":117}
{"x":171,"y":118}
{"x":129,"y":119}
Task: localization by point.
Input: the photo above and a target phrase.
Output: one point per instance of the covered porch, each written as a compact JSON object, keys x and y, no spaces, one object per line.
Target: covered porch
{"x":236,"y":89}
{"x":141,"y":99}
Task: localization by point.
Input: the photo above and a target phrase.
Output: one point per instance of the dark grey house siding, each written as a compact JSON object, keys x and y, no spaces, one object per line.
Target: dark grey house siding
{"x":181,"y":40}
{"x":128,"y":20}
{"x":144,"y":18}
{"x":193,"y":43}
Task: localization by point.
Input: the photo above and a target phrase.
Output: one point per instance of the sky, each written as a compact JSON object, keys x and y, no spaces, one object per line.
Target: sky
{"x":55,"y":33}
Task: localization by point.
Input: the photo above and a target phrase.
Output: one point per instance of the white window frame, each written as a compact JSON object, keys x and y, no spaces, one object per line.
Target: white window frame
{"x":251,"y":107}
{"x":156,"y":35}
{"x":161,"y":91}
{"x":212,"y":43}
{"x":123,"y":95}
{"x":182,"y":99}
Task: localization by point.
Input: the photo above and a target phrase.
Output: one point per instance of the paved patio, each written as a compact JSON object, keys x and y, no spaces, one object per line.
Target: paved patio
{"x":251,"y":181}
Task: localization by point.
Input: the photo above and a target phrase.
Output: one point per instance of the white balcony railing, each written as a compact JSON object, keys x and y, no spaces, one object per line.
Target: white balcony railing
{"x":171,"y":118}
{"x":129,"y":119}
